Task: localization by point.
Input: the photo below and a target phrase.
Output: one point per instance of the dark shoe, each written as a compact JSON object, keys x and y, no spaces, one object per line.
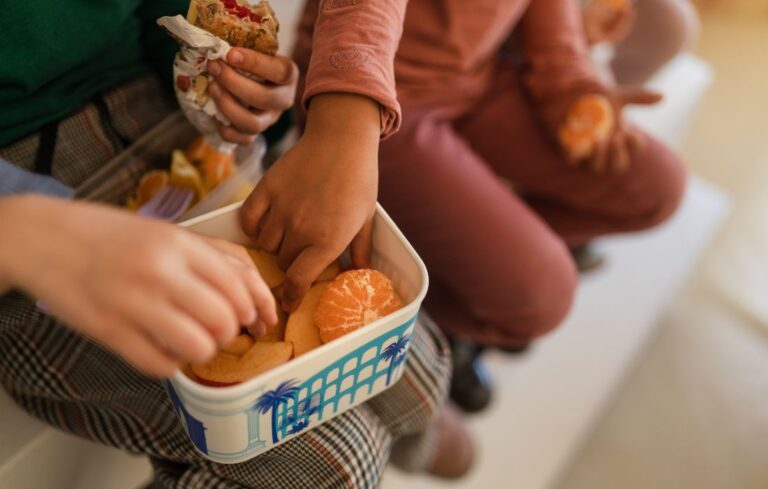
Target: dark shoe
{"x":516,"y":350}
{"x":587,"y":259}
{"x":471,"y":388}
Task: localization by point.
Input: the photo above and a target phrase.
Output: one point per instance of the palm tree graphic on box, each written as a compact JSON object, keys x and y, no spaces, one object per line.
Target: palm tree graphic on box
{"x":271,"y":400}
{"x":394,"y":354}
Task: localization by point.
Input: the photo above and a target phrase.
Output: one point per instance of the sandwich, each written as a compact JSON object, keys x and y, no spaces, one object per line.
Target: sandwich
{"x":238,"y":23}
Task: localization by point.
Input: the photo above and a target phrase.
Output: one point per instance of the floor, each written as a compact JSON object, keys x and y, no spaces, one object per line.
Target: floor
{"x":694,"y":413}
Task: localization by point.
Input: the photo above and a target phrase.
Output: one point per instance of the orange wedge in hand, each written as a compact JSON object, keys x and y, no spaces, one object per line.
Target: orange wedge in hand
{"x":590,"y":121}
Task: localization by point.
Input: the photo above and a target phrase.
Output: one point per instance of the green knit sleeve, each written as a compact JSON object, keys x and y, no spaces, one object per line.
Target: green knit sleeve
{"x":159,"y":48}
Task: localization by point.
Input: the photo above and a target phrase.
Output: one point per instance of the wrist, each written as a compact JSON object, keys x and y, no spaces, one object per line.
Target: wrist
{"x":344,"y":117}
{"x":18,"y":215}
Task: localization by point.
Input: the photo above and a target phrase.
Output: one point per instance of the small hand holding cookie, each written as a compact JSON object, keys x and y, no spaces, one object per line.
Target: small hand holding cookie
{"x":252,"y":106}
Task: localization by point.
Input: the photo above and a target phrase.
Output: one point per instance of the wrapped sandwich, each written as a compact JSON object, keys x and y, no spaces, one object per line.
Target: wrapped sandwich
{"x":210,"y":30}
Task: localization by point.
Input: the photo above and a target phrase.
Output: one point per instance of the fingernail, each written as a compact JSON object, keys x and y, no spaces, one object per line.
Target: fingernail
{"x":214,"y":68}
{"x":235,"y":56}
{"x":214,"y":90}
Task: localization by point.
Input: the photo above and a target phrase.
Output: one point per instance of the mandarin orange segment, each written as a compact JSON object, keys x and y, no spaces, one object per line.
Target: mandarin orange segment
{"x":589,"y":121}
{"x":354,"y":299}
{"x":199,"y":149}
{"x":239,"y":345}
{"x":267,"y":265}
{"x":225,"y":368}
{"x":150,"y":185}
{"x":301,"y":329}
{"x":215,"y":168}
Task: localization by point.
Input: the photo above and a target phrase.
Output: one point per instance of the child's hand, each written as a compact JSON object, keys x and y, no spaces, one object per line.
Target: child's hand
{"x":595,"y":134}
{"x":321,"y":195}
{"x":607,"y":20}
{"x":250,"y":105}
{"x":154,"y":293}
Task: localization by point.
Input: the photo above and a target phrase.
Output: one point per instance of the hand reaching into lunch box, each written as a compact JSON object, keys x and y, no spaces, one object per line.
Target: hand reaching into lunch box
{"x":154,"y":293}
{"x":320,"y":197}
{"x":250,"y":105}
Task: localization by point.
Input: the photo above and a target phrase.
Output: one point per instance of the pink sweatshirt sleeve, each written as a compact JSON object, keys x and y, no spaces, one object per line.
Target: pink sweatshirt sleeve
{"x":353,"y":46}
{"x":558,"y":66}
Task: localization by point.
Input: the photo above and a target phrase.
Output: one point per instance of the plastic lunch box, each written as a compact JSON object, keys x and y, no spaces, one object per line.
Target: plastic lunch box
{"x":234,"y":424}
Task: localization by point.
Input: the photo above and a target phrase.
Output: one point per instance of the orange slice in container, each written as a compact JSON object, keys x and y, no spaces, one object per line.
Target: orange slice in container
{"x":229,"y":369}
{"x":216,"y":167}
{"x":354,"y":299}
{"x":301,"y":329}
{"x":199,"y":150}
{"x":150,"y":185}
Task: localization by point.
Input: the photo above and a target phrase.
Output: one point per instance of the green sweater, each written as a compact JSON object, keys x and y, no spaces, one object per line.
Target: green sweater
{"x":55,"y":55}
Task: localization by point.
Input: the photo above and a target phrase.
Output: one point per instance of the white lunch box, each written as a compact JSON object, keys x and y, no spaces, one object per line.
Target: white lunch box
{"x":234,"y":424}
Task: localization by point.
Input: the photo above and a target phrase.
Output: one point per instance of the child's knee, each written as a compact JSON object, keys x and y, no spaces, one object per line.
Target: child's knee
{"x":663,"y":190}
{"x":544,"y":298}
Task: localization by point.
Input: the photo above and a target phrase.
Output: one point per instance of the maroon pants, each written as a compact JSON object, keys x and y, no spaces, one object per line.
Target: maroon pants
{"x":498,"y":258}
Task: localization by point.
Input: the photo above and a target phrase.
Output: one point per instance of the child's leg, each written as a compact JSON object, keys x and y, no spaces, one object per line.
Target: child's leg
{"x":499,"y":275}
{"x":577,"y":203}
{"x":663,"y":28}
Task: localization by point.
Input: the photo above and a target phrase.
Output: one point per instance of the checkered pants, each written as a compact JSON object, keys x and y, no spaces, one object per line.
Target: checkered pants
{"x":77,"y":386}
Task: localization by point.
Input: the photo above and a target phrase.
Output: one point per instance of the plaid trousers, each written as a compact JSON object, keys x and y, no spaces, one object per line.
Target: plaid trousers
{"x":75,"y":385}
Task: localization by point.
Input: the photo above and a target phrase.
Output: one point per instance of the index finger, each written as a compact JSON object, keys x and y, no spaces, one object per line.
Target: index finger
{"x":303,"y":271}
{"x":276,"y":69}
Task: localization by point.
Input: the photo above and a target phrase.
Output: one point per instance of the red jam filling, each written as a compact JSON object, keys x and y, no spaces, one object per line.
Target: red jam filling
{"x":240,"y":11}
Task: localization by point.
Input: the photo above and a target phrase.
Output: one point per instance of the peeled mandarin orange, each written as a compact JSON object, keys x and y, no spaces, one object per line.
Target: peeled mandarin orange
{"x":354,"y":299}
{"x":150,"y":185}
{"x":589,"y":121}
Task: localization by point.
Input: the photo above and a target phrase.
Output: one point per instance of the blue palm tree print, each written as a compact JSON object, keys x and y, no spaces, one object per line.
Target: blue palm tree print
{"x":392,"y":352}
{"x":271,"y":400}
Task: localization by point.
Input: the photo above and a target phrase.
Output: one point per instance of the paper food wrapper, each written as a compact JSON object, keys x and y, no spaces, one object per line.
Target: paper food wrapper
{"x":191,"y":78}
